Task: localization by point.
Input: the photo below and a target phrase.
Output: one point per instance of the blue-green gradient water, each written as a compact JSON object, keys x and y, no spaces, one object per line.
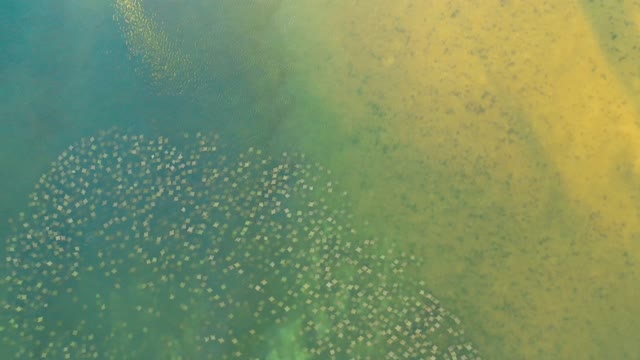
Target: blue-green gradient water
{"x":133,"y":236}
{"x":488,"y":152}
{"x":67,"y":73}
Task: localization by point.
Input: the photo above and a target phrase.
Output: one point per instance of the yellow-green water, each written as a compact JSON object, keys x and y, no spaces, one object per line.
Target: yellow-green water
{"x":498,"y":140}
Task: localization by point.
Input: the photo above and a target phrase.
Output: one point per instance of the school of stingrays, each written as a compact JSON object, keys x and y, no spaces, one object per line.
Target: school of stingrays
{"x":135,"y":247}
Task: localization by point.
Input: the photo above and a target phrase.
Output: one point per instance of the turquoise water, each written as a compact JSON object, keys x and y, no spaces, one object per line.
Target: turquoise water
{"x":59,"y":84}
{"x":143,"y":244}
{"x":67,"y":73}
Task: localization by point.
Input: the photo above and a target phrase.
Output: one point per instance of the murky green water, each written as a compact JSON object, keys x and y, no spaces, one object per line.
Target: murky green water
{"x":489,"y":149}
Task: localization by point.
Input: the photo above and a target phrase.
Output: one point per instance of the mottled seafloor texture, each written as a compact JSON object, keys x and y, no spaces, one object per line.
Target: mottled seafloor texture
{"x":150,"y":248}
{"x":497,"y":141}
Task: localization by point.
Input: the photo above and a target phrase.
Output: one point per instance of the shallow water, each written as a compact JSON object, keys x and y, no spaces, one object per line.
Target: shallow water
{"x":496,"y":140}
